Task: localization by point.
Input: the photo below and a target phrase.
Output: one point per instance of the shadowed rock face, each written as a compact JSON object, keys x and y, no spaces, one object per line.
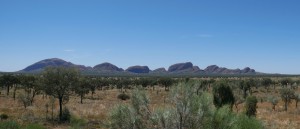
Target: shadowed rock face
{"x":214,"y":69}
{"x":138,"y":69}
{"x":53,"y":62}
{"x":180,"y":67}
{"x":196,"y":68}
{"x":160,"y":70}
{"x":185,"y":68}
{"x":107,"y":67}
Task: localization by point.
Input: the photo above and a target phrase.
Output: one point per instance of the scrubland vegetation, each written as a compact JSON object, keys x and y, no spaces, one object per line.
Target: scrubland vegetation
{"x":62,"y":98}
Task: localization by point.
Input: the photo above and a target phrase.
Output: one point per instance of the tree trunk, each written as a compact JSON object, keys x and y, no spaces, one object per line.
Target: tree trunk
{"x":32,"y":97}
{"x":296,"y":103}
{"x":245,"y":94}
{"x":7,"y":90}
{"x":237,"y":108}
{"x":60,"y":108}
{"x":14,"y":95}
{"x":285,"y":104}
{"x":81,"y":96}
{"x":93,"y":94}
{"x":273,"y":107}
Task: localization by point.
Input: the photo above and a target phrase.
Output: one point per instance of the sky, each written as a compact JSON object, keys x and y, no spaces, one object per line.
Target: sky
{"x":261,"y":34}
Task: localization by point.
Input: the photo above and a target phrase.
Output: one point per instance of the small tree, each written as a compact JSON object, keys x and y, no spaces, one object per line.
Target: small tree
{"x":285,"y":82}
{"x":32,"y":86}
{"x":223,"y":95}
{"x":24,"y":99}
{"x":251,"y":105}
{"x":8,"y":81}
{"x":286,"y":95}
{"x":297,"y":98}
{"x":245,"y":86}
{"x":273,"y":100}
{"x":82,"y":88}
{"x":59,"y":83}
{"x":166,"y":82}
{"x":266,"y":82}
{"x":238,"y":100}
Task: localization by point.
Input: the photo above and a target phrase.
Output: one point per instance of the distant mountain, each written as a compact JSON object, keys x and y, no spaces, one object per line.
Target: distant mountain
{"x":187,"y":67}
{"x":159,"y":70}
{"x":53,"y":62}
{"x":214,"y":69}
{"x":180,"y":67}
{"x":138,"y":69}
{"x":107,"y":67}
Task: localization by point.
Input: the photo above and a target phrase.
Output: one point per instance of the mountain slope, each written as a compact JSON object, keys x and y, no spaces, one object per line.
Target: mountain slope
{"x":52,"y":62}
{"x":108,"y":68}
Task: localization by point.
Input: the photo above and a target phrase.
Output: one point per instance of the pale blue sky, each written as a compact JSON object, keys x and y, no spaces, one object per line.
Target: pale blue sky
{"x":261,"y":34}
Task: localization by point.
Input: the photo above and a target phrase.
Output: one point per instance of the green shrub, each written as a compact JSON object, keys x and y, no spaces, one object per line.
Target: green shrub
{"x":34,"y":126}
{"x":123,"y":96}
{"x":223,"y":95}
{"x":244,"y":122}
{"x":3,"y":117}
{"x":9,"y":125}
{"x":66,"y":115}
{"x":77,"y":123}
{"x":251,"y":105}
{"x":122,"y":117}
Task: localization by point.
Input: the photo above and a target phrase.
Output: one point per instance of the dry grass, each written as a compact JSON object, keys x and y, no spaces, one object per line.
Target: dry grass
{"x":95,"y":109}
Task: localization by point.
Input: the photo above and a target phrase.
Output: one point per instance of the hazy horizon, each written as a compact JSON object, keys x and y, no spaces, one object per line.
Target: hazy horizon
{"x":263,"y":35}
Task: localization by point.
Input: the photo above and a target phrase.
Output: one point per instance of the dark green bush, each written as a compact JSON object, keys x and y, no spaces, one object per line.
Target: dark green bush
{"x":66,"y":115}
{"x":77,"y":123}
{"x":251,"y":105}
{"x":3,"y":116}
{"x":9,"y":125}
{"x":223,"y":95}
{"x":123,"y":96}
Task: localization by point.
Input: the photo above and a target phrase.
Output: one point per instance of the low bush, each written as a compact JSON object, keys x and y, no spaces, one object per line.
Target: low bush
{"x":77,"y":123}
{"x":3,"y":117}
{"x":66,"y":115}
{"x":123,"y":96}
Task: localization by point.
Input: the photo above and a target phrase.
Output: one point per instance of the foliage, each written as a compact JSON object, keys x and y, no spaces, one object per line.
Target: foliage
{"x":66,"y":115}
{"x":32,"y":86}
{"x":297,"y":98}
{"x":266,"y":82}
{"x":166,"y":82}
{"x":186,"y":110}
{"x":77,"y":123}
{"x":9,"y":125}
{"x":274,"y":101}
{"x":251,"y":105}
{"x":60,"y":83}
{"x":3,"y":117}
{"x":244,"y":122}
{"x":8,"y":81}
{"x":286,"y":95}
{"x":24,"y":99}
{"x":285,"y":82}
{"x":222,"y":94}
{"x":245,"y":85}
{"x":123,"y":96}
{"x":83,"y":88}
{"x":122,"y":117}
